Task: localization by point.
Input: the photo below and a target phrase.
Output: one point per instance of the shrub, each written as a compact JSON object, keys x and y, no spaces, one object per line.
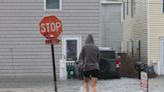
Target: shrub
{"x":127,"y":68}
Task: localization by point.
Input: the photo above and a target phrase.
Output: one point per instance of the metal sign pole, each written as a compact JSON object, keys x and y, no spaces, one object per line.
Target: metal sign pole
{"x":54,"y":68}
{"x":144,"y":81}
{"x":147,"y":82}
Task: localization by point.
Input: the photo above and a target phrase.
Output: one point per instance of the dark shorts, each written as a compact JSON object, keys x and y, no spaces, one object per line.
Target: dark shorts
{"x":91,"y":73}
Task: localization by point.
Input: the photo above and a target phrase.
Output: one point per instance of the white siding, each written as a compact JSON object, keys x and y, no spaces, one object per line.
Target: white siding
{"x":156,"y":30}
{"x":135,"y":28}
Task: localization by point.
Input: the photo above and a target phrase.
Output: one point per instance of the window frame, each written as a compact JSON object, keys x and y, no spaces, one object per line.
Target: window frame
{"x":124,"y":10}
{"x":64,"y":46}
{"x":60,"y":6}
{"x":127,"y":7}
{"x":162,"y":6}
{"x":132,"y":8}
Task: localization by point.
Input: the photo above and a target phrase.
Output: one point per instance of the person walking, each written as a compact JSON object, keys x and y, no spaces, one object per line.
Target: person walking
{"x":90,"y":58}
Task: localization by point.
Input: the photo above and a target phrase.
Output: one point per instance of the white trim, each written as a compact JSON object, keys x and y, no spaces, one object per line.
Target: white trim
{"x":148,"y":29}
{"x":161,"y":63}
{"x":161,"y":57}
{"x":100,"y":27}
{"x":67,"y":37}
{"x":122,"y":16}
{"x":44,"y":4}
{"x":159,"y":70}
{"x":161,"y":38}
{"x":111,"y":2}
{"x":122,"y":46}
{"x":162,"y":6}
{"x":60,"y":6}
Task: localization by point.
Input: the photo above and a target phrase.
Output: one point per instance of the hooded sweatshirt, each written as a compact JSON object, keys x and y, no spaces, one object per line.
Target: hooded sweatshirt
{"x":90,"y":55}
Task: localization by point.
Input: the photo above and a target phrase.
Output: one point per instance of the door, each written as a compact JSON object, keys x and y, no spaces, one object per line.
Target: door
{"x":162,"y":56}
{"x":71,"y":47}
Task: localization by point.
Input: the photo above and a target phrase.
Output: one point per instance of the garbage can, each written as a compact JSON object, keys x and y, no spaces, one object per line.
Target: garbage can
{"x":140,"y":66}
{"x":70,"y":70}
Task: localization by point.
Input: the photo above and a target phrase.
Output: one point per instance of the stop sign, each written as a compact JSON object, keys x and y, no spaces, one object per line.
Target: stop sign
{"x":50,"y":27}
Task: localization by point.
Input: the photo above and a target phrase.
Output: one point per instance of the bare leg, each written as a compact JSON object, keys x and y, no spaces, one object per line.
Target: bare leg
{"x":86,"y":87}
{"x":94,"y":84}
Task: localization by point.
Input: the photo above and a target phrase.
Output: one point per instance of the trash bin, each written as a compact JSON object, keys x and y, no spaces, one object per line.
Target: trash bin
{"x":140,"y":66}
{"x":70,"y":70}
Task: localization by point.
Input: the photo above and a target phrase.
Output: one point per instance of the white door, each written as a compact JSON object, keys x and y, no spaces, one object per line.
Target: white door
{"x":162,"y":57}
{"x":71,"y":47}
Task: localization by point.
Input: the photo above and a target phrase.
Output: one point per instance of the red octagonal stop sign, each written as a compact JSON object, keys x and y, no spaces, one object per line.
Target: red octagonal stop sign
{"x":50,"y":27}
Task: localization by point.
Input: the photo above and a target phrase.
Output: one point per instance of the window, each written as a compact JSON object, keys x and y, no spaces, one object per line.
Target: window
{"x":52,"y":4}
{"x":127,"y":7}
{"x":133,"y":7}
{"x":123,"y":10}
{"x":107,"y":54}
{"x":163,"y":6}
{"x":71,"y":50}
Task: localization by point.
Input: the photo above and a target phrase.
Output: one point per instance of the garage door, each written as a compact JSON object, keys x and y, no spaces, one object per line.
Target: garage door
{"x":111,"y":27}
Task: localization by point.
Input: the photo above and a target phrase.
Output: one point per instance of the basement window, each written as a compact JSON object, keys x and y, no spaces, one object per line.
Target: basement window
{"x":52,"y":5}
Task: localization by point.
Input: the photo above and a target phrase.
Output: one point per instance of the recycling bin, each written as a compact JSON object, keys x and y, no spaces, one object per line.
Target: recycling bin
{"x":140,"y":66}
{"x":70,"y":70}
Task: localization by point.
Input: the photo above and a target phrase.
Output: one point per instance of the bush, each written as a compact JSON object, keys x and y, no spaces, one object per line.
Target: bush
{"x":127,"y":68}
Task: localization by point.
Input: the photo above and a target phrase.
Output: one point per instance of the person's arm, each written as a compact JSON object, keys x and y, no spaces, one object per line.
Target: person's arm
{"x":98,"y":56}
{"x":81,"y":56}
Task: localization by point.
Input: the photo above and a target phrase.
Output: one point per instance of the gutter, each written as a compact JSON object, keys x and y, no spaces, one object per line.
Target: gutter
{"x":110,"y":2}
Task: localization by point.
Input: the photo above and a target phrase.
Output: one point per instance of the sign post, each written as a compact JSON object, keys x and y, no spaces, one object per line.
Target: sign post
{"x":144,"y":81}
{"x":54,"y":68}
{"x":51,"y":28}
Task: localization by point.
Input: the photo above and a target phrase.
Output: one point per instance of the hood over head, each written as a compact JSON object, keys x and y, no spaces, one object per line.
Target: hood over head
{"x":89,"y":39}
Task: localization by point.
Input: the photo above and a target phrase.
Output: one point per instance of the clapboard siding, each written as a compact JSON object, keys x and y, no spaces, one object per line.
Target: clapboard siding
{"x":140,"y":28}
{"x":156,"y":29}
{"x":135,"y":29}
{"x":22,"y":48}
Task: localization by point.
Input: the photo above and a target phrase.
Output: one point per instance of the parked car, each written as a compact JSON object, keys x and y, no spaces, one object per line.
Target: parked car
{"x":109,"y":64}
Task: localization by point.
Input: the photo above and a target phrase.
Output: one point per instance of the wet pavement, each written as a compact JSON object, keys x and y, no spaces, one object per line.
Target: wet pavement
{"x":46,"y":85}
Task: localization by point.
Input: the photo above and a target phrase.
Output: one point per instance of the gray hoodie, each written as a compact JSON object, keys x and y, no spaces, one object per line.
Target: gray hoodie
{"x":90,"y":55}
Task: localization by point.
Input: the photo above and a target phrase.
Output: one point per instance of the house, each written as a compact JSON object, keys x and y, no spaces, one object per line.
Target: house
{"x":143,"y":31}
{"x":23,"y":51}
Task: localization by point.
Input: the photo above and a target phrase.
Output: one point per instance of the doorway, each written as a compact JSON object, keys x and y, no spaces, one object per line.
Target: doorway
{"x":71,"y":47}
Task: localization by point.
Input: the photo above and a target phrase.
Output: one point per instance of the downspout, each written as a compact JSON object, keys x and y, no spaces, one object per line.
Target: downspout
{"x":148,"y":60}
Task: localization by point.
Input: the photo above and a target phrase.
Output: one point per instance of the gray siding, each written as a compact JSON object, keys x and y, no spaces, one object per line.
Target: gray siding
{"x":22,"y":48}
